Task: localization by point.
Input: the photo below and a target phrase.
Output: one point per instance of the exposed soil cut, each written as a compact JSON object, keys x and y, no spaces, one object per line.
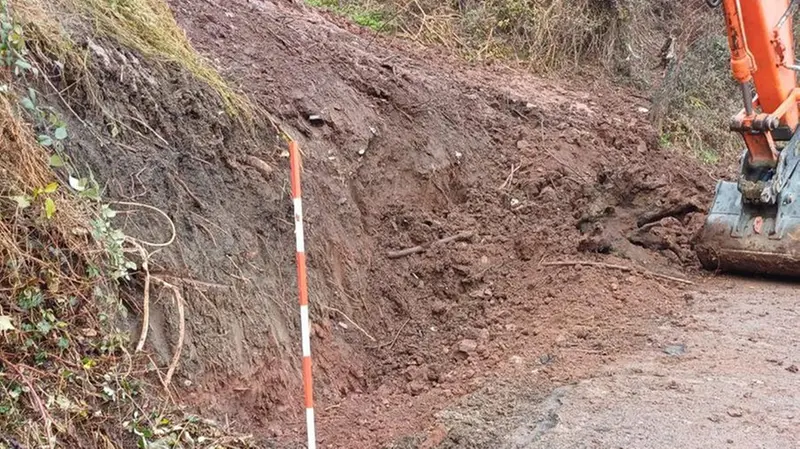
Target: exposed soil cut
{"x":411,"y":147}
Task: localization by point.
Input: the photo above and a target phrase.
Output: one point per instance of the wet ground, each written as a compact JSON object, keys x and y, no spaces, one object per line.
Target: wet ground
{"x":725,"y":375}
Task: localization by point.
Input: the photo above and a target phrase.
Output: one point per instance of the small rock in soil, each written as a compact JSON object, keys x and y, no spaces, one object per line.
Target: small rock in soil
{"x":675,"y":350}
{"x":548,"y":194}
{"x":735,"y":413}
{"x":438,"y":307}
{"x":416,"y":387}
{"x":595,"y":245}
{"x":467,"y":346}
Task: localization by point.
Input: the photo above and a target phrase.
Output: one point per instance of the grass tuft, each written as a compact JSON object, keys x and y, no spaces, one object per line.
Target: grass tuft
{"x":145,"y":25}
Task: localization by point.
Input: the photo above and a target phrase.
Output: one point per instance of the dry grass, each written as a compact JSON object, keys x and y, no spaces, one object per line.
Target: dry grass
{"x":145,"y":25}
{"x":544,"y":35}
{"x":47,"y":298}
{"x":66,"y":376}
{"x":693,"y":95}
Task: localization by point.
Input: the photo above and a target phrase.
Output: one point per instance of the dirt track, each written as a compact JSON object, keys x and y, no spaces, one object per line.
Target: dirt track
{"x":723,"y":374}
{"x":472,"y":344}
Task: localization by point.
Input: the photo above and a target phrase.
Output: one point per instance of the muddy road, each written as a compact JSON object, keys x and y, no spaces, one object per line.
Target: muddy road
{"x":722,"y":375}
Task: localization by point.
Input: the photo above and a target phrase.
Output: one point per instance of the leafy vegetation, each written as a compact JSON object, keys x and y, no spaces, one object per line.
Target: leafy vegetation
{"x":66,"y":377}
{"x":688,"y":81}
{"x":373,"y":17}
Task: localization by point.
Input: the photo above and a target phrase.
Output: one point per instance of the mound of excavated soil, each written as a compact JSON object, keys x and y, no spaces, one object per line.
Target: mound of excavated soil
{"x":412,"y":147}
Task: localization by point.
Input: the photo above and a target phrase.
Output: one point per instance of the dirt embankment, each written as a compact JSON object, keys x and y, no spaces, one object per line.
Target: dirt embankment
{"x":415,"y":147}
{"x":412,"y":147}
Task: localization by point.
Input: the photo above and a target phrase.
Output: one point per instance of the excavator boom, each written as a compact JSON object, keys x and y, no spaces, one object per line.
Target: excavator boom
{"x":753,"y":225}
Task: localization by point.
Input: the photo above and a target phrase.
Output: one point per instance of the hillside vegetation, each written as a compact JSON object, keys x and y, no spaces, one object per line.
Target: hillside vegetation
{"x":68,"y":374}
{"x":675,"y":53}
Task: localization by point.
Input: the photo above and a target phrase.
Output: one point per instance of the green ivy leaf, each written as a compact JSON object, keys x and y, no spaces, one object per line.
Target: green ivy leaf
{"x":56,"y":161}
{"x":44,"y":327}
{"x":50,"y":188}
{"x":28,"y":104}
{"x":45,"y":140}
{"x":49,"y":208}
{"x":23,"y":64}
{"x":91,"y":193}
{"x":61,"y":133}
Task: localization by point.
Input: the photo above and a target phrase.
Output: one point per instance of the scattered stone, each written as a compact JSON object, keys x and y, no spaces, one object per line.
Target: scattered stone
{"x":548,"y":194}
{"x":793,"y":369}
{"x":467,"y":346}
{"x":735,"y":413}
{"x":675,"y":350}
{"x":316,"y":120}
{"x":595,"y":244}
{"x":614,"y":286}
{"x":416,"y":387}
{"x":435,"y":437}
{"x":546,"y":359}
{"x":438,"y":307}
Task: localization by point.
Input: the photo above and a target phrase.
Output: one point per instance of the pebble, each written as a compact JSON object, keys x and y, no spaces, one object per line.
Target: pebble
{"x":467,"y":346}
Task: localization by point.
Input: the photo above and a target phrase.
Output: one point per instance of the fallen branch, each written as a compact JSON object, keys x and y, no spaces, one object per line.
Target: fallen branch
{"x":176,"y":356}
{"x":624,"y":268}
{"x":466,"y":235}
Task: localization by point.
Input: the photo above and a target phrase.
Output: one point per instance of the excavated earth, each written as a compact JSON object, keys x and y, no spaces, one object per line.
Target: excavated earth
{"x":446,"y":347}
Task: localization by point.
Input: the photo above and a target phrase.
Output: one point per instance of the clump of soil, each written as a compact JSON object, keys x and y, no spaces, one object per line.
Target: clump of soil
{"x":411,"y":148}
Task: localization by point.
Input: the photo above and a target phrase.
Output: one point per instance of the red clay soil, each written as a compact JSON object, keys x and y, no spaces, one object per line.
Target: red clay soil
{"x":413,"y":147}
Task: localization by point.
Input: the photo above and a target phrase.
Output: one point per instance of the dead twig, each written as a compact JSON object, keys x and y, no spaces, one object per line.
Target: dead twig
{"x":510,"y":178}
{"x":164,"y":214}
{"x":48,"y":420}
{"x":350,"y":321}
{"x":189,"y":191}
{"x":466,"y":235}
{"x":624,"y":268}
{"x":146,"y":297}
{"x":176,"y":356}
{"x":396,"y":335}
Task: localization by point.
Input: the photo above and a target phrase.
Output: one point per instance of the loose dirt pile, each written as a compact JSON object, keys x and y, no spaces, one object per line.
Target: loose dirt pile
{"x":413,"y":147}
{"x":410,"y":148}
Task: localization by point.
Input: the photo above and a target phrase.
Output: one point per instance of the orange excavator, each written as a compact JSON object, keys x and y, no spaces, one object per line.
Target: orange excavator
{"x":753,"y":225}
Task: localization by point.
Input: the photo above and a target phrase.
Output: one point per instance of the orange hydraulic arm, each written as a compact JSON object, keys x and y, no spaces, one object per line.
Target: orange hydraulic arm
{"x":762,"y":54}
